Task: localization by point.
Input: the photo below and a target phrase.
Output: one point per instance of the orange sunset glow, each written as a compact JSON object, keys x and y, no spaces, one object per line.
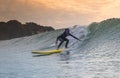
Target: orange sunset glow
{"x":59,"y":13}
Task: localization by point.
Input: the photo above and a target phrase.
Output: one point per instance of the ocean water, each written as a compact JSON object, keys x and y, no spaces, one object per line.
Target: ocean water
{"x":95,"y":56}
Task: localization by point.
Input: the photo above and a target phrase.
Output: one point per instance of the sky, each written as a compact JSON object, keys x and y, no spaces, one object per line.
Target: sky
{"x":59,"y":13}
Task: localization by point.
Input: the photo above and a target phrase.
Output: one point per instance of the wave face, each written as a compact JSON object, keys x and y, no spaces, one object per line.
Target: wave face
{"x":101,"y":51}
{"x":104,"y":36}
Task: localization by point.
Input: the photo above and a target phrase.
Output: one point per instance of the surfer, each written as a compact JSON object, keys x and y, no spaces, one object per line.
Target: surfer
{"x":63,"y":38}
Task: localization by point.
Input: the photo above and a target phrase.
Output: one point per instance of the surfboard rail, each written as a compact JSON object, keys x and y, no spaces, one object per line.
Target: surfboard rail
{"x":47,"y":52}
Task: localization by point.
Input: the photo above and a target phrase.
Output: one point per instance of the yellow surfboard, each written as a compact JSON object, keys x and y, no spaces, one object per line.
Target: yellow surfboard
{"x":48,"y":51}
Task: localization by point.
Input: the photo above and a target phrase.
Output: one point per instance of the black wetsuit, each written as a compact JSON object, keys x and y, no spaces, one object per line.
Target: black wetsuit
{"x":63,"y":38}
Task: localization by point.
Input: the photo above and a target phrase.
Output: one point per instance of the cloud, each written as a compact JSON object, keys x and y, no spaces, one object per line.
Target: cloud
{"x":59,"y":12}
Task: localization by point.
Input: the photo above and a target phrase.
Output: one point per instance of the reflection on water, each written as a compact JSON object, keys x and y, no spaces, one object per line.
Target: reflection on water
{"x":65,"y":56}
{"x":65,"y":65}
{"x":88,"y":67}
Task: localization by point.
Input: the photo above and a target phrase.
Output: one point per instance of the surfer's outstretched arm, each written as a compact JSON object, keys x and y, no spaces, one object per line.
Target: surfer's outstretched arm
{"x":74,"y":37}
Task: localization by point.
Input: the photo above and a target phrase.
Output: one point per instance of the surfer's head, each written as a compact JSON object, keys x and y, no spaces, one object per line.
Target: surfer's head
{"x":67,"y":29}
